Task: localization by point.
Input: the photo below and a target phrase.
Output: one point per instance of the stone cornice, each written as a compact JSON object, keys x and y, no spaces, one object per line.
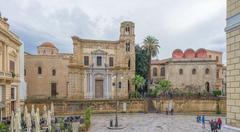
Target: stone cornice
{"x":76,"y":38}
{"x":233,"y":22}
{"x":11,"y":37}
{"x":193,"y":60}
{"x":116,"y":68}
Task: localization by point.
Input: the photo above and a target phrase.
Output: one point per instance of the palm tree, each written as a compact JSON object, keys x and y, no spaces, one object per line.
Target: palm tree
{"x":150,"y":44}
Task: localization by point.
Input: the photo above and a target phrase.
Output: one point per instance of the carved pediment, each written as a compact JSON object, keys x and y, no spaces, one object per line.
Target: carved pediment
{"x":99,"y":52}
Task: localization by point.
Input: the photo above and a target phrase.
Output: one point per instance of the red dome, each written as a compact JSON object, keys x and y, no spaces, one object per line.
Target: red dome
{"x":47,"y":44}
{"x":177,"y":53}
{"x":189,"y":53}
{"x":201,"y":53}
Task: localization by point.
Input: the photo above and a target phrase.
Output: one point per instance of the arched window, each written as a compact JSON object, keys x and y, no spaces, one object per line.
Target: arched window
{"x":207,"y":86}
{"x":128,"y":46}
{"x":119,"y":84}
{"x":54,"y":72}
{"x":127,"y":30}
{"x":154,"y":71}
{"x":39,"y":70}
{"x":129,"y":64}
{"x":180,"y":71}
{"x":163,"y":71}
{"x":194,"y":71}
{"x":129,"y":86}
{"x":207,"y":71}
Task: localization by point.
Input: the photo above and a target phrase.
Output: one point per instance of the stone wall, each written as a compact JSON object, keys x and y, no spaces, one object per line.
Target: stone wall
{"x":188,"y":106}
{"x":39,"y":85}
{"x":193,"y":106}
{"x":62,"y":107}
{"x":233,"y":62}
{"x":187,"y":81}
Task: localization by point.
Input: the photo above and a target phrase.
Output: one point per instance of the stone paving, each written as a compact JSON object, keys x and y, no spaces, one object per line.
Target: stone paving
{"x":139,"y":122}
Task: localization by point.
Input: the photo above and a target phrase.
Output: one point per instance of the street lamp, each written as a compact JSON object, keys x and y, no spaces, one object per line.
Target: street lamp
{"x":117,"y":85}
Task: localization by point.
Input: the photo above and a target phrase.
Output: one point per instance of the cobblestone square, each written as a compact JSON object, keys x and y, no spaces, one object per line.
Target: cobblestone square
{"x":151,"y":123}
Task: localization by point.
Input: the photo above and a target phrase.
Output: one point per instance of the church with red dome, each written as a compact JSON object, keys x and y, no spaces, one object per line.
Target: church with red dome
{"x":199,"y":70}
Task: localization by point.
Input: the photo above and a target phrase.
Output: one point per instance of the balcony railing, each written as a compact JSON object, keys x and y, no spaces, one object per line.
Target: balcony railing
{"x":1,"y":74}
{"x":6,"y":74}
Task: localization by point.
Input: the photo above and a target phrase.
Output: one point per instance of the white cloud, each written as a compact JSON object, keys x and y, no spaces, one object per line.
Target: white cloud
{"x":177,"y":24}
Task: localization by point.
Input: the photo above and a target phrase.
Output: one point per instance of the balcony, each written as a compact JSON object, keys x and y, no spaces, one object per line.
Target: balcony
{"x":5,"y":75}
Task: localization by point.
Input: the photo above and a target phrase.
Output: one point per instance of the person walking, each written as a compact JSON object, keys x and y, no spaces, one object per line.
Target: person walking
{"x":219,"y":123}
{"x":203,"y":121}
{"x":215,"y":126}
{"x":211,"y":125}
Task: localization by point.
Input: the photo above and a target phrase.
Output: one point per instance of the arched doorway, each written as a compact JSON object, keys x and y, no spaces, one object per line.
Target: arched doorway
{"x":207,"y":86}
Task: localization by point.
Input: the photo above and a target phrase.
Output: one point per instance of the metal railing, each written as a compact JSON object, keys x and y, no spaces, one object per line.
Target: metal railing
{"x":5,"y":74}
{"x":1,"y":74}
{"x":8,"y":74}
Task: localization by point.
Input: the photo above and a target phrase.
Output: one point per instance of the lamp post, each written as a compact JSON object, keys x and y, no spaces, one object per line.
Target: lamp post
{"x":116,"y":116}
{"x":117,"y":85}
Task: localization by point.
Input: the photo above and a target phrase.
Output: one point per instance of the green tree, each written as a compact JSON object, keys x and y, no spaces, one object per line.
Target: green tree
{"x":142,"y":60}
{"x":151,"y":45}
{"x":162,"y":86}
{"x":138,"y":81}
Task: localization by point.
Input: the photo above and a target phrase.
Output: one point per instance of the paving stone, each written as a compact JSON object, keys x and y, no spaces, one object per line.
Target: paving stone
{"x":139,"y":122}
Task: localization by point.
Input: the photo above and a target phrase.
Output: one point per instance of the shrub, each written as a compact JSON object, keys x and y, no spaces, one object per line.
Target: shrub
{"x":87,"y":117}
{"x":218,"y":112}
{"x":69,"y":129}
{"x":62,"y":124}
{"x":189,"y":94}
{"x":134,"y":94}
{"x":216,"y":93}
{"x":3,"y":127}
{"x":53,"y":129}
{"x":13,"y":75}
{"x":162,"y":87}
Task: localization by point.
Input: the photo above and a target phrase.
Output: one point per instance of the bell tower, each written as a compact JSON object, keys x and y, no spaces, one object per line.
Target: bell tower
{"x":127,"y":30}
{"x":127,"y":49}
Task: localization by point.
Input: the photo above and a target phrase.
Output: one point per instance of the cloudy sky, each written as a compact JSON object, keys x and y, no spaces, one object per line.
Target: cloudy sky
{"x":176,"y":23}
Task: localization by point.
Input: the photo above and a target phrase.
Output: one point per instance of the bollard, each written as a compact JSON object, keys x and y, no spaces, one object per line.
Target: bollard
{"x":111,"y":123}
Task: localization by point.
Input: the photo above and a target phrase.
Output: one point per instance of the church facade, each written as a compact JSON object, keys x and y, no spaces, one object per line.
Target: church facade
{"x":97,"y":69}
